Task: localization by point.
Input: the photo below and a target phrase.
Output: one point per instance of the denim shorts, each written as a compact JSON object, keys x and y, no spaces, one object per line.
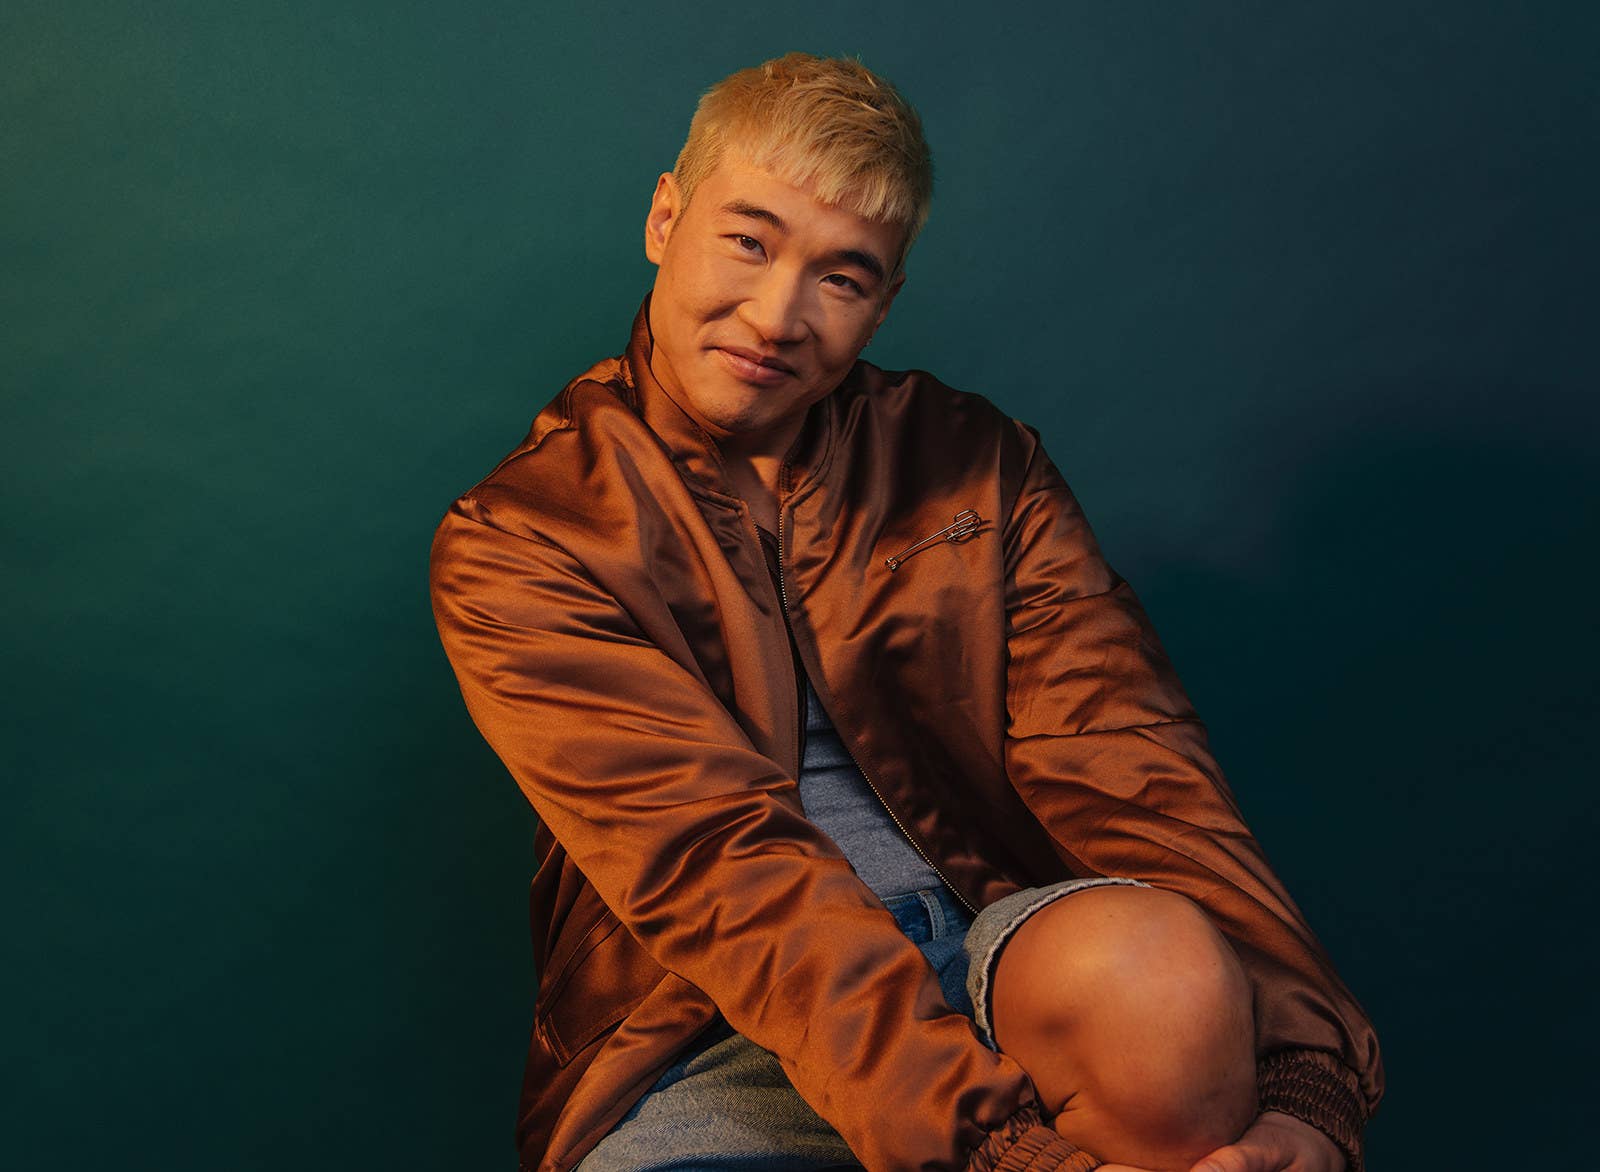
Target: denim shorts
{"x":726,"y":1105}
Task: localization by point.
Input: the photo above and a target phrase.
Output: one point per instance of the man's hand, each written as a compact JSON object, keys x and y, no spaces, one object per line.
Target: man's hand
{"x":1275,"y":1142}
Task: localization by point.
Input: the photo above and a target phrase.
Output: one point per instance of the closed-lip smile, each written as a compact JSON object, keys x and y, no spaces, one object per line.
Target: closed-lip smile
{"x":756,"y":365}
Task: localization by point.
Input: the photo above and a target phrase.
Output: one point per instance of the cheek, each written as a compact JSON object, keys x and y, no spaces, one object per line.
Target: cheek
{"x":713,"y":285}
{"x":848,"y":335}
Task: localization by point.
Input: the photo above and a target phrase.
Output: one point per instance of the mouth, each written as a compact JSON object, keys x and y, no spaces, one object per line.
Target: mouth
{"x":754,"y":366}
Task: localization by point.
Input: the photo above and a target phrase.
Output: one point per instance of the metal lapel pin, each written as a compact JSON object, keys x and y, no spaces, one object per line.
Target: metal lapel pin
{"x":966,"y":524}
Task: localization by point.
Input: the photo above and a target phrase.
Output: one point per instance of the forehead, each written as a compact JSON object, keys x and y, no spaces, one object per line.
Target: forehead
{"x":739,"y":189}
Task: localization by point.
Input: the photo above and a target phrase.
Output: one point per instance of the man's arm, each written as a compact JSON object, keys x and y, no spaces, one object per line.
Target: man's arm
{"x":1105,"y":748}
{"x":699,"y":845}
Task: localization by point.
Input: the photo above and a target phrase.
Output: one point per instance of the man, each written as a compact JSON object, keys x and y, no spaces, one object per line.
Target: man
{"x":827,"y":703}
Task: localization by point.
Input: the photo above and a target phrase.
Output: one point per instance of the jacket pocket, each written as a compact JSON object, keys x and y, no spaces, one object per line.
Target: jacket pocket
{"x":602,"y":981}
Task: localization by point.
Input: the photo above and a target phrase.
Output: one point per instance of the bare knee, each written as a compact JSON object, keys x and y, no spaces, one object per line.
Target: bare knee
{"x":1110,"y":949}
{"x":1133,"y":1016}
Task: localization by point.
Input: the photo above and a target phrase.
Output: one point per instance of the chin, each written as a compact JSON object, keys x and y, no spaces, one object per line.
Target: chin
{"x":724,"y":416}
{"x":736,"y":408}
{"x":737,"y":425}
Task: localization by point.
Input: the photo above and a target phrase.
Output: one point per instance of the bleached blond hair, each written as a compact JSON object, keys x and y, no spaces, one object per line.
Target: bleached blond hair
{"x":828,"y":124}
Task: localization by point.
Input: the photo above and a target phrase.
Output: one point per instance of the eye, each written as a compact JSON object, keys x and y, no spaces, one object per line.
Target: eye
{"x":747,"y":243}
{"x":840,"y":281}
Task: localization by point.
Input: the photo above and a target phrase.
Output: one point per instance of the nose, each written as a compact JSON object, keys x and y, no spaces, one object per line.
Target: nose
{"x":776,"y":308}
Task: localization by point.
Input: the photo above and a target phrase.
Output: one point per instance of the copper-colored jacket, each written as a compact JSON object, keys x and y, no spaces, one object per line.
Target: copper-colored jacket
{"x":604,"y":600}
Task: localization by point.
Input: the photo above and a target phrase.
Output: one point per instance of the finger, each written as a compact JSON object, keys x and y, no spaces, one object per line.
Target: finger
{"x":1240,"y":1157}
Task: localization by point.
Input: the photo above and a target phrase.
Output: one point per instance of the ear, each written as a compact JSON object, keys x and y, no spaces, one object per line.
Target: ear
{"x":666,"y":205}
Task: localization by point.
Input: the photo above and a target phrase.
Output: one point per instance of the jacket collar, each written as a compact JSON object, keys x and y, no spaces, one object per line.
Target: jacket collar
{"x":693,"y":448}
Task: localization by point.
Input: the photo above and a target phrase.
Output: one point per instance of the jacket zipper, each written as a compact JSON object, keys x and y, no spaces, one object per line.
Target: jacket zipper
{"x":797,"y":665}
{"x":783,"y":601}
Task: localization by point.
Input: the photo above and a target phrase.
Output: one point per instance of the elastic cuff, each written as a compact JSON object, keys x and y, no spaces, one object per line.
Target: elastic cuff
{"x":1316,"y":1088}
{"x":1024,"y":1144}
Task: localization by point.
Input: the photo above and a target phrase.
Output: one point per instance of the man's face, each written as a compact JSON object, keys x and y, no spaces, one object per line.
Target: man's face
{"x":763,"y":299}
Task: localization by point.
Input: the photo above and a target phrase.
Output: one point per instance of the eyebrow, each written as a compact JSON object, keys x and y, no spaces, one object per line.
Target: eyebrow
{"x":854,"y":256}
{"x":740,"y":207}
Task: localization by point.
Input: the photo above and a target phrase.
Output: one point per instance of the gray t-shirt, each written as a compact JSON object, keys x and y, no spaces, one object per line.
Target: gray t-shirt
{"x":836,"y":795}
{"x":837,"y":798}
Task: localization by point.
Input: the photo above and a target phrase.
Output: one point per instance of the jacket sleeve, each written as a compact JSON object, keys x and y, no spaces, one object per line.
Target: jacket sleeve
{"x":1105,"y":748}
{"x":698,"y":843}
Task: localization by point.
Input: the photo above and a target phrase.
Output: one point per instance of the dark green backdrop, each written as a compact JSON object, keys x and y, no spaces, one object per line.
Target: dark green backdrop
{"x":1301,"y":296}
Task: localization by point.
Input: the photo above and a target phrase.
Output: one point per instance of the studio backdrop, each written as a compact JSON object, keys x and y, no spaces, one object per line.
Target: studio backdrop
{"x":1301,"y":297}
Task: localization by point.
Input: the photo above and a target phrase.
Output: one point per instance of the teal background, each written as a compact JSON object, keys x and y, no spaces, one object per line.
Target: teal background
{"x":1301,"y":296}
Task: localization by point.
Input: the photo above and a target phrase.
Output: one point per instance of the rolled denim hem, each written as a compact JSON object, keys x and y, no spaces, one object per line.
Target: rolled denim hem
{"x":995,"y":925}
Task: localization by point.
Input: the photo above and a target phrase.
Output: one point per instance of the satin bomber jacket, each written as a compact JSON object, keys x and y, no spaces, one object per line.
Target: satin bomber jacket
{"x":604,"y":600}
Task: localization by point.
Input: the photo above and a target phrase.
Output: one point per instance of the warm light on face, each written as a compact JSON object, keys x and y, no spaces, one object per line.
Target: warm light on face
{"x":763,"y":299}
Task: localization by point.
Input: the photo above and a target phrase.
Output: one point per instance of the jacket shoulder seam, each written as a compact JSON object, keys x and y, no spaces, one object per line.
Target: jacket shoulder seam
{"x":531,"y":537}
{"x":1140,"y":727}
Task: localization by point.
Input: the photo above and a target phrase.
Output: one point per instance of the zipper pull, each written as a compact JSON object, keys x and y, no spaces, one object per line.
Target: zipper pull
{"x":966,"y":524}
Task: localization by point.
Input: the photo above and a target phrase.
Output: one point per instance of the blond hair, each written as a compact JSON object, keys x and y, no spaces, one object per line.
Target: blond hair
{"x":828,"y":124}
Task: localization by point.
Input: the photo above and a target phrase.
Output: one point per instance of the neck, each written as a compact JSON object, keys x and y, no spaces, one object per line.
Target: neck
{"x":753,"y":472}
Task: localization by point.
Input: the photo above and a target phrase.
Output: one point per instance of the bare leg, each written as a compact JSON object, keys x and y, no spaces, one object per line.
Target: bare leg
{"x":1132,"y":1015}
